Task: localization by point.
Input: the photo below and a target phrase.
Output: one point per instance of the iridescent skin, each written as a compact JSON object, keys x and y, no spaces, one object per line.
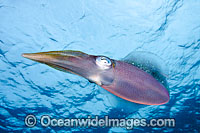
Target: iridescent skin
{"x":120,"y":78}
{"x":135,"y":85}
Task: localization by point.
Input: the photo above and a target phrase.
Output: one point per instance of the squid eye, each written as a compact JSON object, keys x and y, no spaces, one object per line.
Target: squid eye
{"x":103,"y":62}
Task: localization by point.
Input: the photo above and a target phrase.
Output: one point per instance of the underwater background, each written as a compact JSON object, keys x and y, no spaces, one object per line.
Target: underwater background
{"x":114,"y":28}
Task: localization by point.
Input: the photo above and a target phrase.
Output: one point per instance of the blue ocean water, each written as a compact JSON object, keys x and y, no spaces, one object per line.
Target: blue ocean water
{"x":114,"y":28}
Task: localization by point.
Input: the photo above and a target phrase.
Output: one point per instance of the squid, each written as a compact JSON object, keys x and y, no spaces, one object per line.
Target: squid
{"x":119,"y":77}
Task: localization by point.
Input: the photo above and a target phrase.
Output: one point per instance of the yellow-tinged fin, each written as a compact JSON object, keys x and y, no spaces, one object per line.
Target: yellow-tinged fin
{"x":65,"y":52}
{"x":60,"y":68}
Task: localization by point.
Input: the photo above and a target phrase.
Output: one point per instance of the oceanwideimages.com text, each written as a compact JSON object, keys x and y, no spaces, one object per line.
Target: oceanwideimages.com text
{"x":129,"y":123}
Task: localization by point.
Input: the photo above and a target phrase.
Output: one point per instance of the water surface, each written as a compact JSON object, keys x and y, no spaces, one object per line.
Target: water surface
{"x":170,"y":29}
